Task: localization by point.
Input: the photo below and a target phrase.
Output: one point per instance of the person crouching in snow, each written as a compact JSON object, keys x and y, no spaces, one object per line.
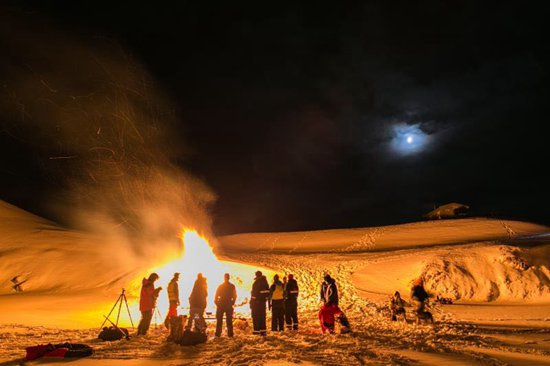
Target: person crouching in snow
{"x":328,"y":314}
{"x":419,"y":295}
{"x":173,"y":299}
{"x":397,"y":306}
{"x":277,"y":305}
{"x":147,"y":302}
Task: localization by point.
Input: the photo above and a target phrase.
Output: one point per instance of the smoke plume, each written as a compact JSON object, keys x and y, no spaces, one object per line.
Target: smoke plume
{"x":102,"y":132}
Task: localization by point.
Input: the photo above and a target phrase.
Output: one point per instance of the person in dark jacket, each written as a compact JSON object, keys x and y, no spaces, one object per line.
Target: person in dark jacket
{"x":277,"y":304}
{"x":225,"y":298}
{"x":147,"y":302}
{"x":329,"y":291}
{"x":419,"y":295}
{"x":197,"y":304}
{"x":291,"y":303}
{"x":397,"y":306}
{"x":258,"y":298}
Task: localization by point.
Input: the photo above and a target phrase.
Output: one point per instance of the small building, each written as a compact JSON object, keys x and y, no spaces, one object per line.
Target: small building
{"x":448,"y":211}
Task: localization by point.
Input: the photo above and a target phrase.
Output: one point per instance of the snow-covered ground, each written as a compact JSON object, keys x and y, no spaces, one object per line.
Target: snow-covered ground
{"x":498,"y":271}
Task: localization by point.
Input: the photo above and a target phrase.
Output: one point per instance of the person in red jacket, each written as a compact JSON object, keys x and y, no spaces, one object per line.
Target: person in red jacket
{"x":147,"y":302}
{"x":328,"y":314}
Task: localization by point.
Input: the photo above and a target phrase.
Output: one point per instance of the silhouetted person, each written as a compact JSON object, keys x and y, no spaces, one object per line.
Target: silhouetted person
{"x":397,"y":306}
{"x":258,"y":298}
{"x":277,"y":304}
{"x":147,"y":302}
{"x":225,"y":298}
{"x":291,"y":303}
{"x":197,"y":303}
{"x":173,"y":299}
{"x":419,"y":295}
{"x":329,"y":291}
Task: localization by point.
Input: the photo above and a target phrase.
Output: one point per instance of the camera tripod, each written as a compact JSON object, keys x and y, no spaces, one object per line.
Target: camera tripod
{"x":121,"y":298}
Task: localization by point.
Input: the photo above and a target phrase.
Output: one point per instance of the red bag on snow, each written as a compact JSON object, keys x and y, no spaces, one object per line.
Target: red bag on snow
{"x":37,"y":351}
{"x":62,"y":350}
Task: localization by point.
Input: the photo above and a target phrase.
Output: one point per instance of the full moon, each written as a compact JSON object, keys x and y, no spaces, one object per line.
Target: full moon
{"x":408,"y":138}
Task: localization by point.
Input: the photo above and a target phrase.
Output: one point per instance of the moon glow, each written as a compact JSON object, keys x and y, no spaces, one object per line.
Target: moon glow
{"x":408,"y":139}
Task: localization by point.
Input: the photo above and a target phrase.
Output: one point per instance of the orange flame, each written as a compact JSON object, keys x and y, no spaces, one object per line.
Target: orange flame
{"x":198,"y":257}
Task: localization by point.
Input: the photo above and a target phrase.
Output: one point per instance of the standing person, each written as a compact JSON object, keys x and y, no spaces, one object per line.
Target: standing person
{"x":147,"y":302}
{"x":225,"y":298}
{"x":419,"y":295}
{"x":277,"y":305}
{"x":329,"y":291}
{"x":197,"y":303}
{"x":291,"y":303}
{"x":173,"y":299}
{"x":258,"y":297}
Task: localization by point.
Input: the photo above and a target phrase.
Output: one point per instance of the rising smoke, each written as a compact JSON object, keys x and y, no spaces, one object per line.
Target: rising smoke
{"x":103,"y":132}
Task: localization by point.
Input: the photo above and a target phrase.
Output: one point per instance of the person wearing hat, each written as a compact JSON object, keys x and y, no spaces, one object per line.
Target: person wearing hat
{"x":419,"y":295}
{"x":258,"y":299}
{"x":147,"y":302}
{"x":173,"y":299}
{"x":329,"y":291}
{"x":291,"y":303}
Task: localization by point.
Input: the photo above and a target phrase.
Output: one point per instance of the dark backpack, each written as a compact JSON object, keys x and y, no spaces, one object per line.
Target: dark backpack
{"x":177,"y":326}
{"x":113,"y":334}
{"x":182,"y":336}
{"x":192,"y":337}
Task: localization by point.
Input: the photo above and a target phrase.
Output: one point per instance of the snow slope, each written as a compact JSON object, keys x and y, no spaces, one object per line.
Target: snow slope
{"x":429,"y":233}
{"x":73,"y":278}
{"x":497,"y":269}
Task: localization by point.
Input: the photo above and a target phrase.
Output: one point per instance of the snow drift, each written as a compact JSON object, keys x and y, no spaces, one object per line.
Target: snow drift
{"x":474,"y":272}
{"x":490,"y":273}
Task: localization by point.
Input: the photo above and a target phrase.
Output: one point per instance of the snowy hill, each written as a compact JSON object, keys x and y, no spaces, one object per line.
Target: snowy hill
{"x":419,"y":234}
{"x":497,"y":270}
{"x":447,"y":253}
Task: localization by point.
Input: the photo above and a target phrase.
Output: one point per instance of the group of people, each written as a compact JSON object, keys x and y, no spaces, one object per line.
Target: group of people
{"x":281,"y":298}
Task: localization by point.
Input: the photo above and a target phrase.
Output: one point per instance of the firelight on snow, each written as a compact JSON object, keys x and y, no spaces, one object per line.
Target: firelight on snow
{"x":198,"y":257}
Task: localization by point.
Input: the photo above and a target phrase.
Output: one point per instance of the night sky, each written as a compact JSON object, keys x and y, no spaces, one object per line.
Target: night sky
{"x":329,"y":116}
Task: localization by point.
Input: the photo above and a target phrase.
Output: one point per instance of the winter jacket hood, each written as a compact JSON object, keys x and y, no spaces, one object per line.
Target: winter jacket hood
{"x":148,"y":295}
